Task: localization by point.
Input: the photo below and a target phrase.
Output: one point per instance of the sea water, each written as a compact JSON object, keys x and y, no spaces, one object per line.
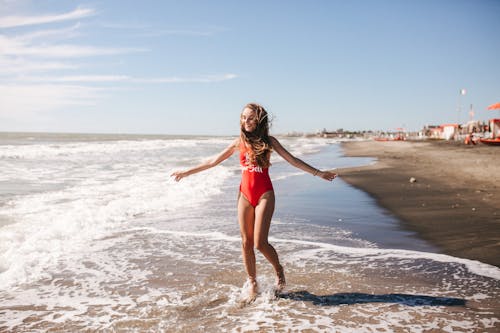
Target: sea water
{"x":96,"y":235}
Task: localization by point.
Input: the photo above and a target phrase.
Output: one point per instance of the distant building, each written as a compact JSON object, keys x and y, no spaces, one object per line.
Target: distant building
{"x":433,"y":132}
{"x":450,"y":131}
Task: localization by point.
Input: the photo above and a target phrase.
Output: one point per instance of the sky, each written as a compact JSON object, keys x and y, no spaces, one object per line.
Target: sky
{"x":189,"y":67}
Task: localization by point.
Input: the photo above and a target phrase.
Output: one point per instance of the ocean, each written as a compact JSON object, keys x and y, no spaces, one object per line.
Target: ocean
{"x":96,"y":236}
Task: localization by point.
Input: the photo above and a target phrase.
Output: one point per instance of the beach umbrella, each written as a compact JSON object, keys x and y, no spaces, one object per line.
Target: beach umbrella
{"x":495,"y":106}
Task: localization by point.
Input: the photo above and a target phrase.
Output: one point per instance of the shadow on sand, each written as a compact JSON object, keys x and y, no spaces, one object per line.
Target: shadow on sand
{"x":360,"y":298}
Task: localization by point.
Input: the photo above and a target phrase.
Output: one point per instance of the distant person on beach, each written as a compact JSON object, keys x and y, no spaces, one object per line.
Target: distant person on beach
{"x":487,"y":134}
{"x":256,"y":197}
{"x":470,"y":139}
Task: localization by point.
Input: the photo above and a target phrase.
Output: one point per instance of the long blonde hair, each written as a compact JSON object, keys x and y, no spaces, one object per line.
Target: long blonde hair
{"x":258,"y":140}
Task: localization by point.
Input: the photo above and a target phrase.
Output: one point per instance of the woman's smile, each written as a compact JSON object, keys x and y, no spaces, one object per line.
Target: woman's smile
{"x":249,"y":119}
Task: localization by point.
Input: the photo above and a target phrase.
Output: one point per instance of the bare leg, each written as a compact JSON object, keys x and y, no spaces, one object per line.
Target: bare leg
{"x":246,"y":219}
{"x":263,"y":215}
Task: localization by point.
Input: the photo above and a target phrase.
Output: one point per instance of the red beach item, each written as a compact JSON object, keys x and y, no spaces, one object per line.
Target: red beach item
{"x":495,"y":106}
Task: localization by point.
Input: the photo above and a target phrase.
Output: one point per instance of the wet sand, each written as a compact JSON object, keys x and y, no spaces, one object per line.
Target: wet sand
{"x":454,"y":202}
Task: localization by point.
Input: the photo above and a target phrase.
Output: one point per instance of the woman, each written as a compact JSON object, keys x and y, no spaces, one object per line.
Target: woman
{"x":256,"y":197}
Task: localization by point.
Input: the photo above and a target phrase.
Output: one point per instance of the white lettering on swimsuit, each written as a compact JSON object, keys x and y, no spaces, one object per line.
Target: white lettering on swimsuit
{"x":249,"y":166}
{"x":252,"y":168}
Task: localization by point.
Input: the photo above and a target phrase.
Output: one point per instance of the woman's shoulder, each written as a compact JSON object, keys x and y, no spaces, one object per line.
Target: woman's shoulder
{"x":237,"y":143}
{"x":273,"y":140}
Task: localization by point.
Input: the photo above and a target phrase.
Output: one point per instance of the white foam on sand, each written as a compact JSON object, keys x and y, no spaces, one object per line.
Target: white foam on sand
{"x":371,"y":254}
{"x":94,"y":201}
{"x":473,"y":266}
{"x":112,"y":283}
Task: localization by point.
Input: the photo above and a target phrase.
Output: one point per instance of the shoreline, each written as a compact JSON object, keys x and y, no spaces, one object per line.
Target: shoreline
{"x":454,"y":202}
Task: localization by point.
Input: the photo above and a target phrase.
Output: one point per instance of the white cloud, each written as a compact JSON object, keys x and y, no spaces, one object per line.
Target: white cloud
{"x":126,"y":79}
{"x":77,"y":78}
{"x":39,"y":73}
{"x":17,"y":21}
{"x":177,"y":32}
{"x":63,"y":33}
{"x":16,"y":47}
{"x":144,"y":30}
{"x":67,"y":51}
{"x":18,"y":66}
{"x":198,"y":79}
{"x":21,"y":101}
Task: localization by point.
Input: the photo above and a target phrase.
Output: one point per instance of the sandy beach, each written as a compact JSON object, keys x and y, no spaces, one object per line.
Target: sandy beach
{"x":454,"y":202}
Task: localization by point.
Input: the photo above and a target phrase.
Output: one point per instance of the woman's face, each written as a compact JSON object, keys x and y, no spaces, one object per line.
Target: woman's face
{"x":249,"y":119}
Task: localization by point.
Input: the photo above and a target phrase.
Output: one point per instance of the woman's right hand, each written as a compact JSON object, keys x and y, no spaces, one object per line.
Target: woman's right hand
{"x":178,"y":175}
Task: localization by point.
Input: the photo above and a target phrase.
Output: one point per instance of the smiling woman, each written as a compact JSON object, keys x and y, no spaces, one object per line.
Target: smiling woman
{"x":256,"y":199}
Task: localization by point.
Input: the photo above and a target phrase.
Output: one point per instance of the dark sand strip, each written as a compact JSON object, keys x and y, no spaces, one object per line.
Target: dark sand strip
{"x":454,"y":202}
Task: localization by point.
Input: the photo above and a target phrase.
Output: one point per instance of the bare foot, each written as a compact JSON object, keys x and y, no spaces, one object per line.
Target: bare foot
{"x":280,"y":279}
{"x":252,"y":290}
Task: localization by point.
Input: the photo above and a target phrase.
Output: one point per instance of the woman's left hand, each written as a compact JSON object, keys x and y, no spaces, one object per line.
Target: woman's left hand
{"x":327,"y":175}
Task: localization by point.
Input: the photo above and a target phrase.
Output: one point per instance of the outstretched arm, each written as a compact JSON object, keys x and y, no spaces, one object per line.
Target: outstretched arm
{"x":298,"y":163}
{"x":224,"y":155}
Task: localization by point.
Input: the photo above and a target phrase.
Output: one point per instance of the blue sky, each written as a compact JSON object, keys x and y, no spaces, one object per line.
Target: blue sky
{"x":188,"y":67}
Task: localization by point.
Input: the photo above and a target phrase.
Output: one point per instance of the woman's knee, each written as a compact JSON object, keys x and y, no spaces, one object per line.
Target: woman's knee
{"x":247,"y":244}
{"x":260,"y":244}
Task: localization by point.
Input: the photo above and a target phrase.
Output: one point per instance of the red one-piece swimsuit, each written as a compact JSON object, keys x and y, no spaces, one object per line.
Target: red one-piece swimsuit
{"x":255,"y":180}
